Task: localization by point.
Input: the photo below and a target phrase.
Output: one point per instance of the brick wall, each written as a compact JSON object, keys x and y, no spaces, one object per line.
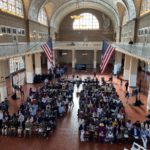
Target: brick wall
{"x":66,"y":32}
{"x":12,"y":21}
{"x":144,"y":21}
{"x":34,"y":31}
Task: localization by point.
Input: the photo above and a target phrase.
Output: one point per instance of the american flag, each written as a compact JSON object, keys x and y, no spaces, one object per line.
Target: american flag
{"x":107,"y":51}
{"x":48,"y":49}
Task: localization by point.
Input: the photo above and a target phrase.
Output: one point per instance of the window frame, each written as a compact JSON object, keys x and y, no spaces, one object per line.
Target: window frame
{"x":78,"y":23}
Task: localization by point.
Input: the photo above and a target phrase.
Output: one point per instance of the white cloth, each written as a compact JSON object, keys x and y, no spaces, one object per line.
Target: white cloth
{"x":1,"y":115}
{"x":82,"y":136}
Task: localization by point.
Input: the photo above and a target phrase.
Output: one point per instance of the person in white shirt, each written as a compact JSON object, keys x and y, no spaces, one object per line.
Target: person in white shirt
{"x":1,"y":118}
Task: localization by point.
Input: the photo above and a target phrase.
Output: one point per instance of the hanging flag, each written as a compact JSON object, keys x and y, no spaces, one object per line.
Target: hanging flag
{"x":48,"y":49}
{"x":107,"y":51}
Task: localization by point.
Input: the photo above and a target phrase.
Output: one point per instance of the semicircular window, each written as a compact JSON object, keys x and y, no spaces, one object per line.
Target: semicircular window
{"x":85,"y":21}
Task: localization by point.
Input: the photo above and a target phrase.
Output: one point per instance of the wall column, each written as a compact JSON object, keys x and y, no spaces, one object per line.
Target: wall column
{"x":126,"y":67}
{"x":133,"y":72}
{"x":73,"y":59}
{"x":7,"y":68}
{"x":117,"y":65}
{"x":49,"y":66}
{"x":148,"y":99}
{"x":54,"y":57}
{"x":95,"y":59}
{"x":29,"y":68}
{"x":118,"y":34}
{"x":38,"y":69}
{"x":3,"y":89}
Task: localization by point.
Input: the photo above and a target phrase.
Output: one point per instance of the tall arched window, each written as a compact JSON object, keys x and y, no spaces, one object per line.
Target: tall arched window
{"x":86,"y":21}
{"x":14,"y":7}
{"x":125,"y":18}
{"x":42,"y":17}
{"x":145,"y":7}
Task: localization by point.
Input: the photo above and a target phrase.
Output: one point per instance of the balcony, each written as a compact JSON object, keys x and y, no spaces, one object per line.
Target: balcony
{"x":139,"y":51}
{"x":8,"y":50}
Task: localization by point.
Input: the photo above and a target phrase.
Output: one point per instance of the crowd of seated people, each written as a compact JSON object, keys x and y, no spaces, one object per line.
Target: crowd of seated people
{"x":102,"y":115}
{"x":38,"y":115}
{"x":57,"y":72}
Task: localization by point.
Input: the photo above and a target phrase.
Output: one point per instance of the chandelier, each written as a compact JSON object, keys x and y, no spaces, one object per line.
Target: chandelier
{"x":77,"y":17}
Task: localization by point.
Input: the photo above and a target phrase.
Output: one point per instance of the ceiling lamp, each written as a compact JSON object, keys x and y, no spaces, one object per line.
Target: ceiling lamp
{"x":77,"y":17}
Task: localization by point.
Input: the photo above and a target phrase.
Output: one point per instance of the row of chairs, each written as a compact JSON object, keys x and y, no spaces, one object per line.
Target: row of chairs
{"x":39,"y":130}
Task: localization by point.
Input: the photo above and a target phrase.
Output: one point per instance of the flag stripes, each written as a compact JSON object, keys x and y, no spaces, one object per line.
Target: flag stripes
{"x":108,"y":51}
{"x":47,"y":48}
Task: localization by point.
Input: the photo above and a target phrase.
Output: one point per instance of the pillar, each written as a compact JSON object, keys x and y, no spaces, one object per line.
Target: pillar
{"x":29,"y":68}
{"x":3,"y":88}
{"x":54,"y":57}
{"x":7,"y":72}
{"x":38,"y":69}
{"x":49,"y":65}
{"x":118,"y":34}
{"x":95,"y":59}
{"x":133,"y":72}
{"x":148,"y":99}
{"x":73,"y":59}
{"x":126,"y":67}
{"x":117,"y":65}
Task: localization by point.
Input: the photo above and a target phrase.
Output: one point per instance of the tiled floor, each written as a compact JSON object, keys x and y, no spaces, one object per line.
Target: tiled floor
{"x":66,"y":135}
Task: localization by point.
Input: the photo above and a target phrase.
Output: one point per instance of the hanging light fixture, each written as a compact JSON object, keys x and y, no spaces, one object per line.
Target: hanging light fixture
{"x":76,"y":17}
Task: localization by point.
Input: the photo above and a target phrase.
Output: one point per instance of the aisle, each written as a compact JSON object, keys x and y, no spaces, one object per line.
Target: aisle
{"x":66,"y":133}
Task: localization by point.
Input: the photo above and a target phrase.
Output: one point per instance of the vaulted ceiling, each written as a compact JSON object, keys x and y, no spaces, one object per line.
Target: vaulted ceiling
{"x":58,"y":9}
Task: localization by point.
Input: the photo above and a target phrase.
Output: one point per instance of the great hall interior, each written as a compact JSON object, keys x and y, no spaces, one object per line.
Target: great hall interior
{"x":61,"y":100}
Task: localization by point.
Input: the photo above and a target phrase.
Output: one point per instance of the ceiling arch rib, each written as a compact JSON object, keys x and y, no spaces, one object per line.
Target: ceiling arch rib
{"x":34,"y":9}
{"x":35,"y":6}
{"x":121,"y":10}
{"x":131,"y":8}
{"x":69,"y":7}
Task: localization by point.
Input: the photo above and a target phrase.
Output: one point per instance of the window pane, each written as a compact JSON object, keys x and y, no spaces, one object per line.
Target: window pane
{"x":42,"y":17}
{"x":14,"y":7}
{"x":145,"y":8}
{"x":85,"y":21}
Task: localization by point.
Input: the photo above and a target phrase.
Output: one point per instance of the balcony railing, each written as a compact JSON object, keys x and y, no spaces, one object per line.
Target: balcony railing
{"x":14,"y":49}
{"x":11,"y":49}
{"x":140,"y":50}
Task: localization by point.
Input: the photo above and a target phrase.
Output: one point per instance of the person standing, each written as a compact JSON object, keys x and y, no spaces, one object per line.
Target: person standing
{"x":126,"y":86}
{"x":21,"y":91}
{"x":127,"y":95}
{"x":121,"y":83}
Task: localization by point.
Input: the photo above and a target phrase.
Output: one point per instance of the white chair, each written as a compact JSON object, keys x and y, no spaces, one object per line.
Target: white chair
{"x":136,"y":146}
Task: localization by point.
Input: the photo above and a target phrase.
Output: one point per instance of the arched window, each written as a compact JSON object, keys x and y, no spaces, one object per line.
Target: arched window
{"x":145,"y":7}
{"x":14,"y":7}
{"x":125,"y":18}
{"x":85,"y":21}
{"x":42,"y":17}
